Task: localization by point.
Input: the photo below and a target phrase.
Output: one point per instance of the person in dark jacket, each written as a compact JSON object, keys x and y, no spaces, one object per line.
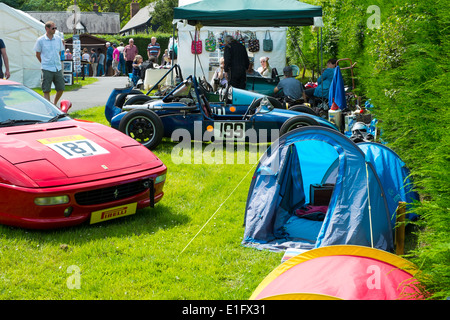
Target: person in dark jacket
{"x":236,"y":62}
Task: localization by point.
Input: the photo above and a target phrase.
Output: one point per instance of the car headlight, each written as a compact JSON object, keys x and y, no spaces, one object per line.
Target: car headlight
{"x":160,"y":178}
{"x":51,"y":201}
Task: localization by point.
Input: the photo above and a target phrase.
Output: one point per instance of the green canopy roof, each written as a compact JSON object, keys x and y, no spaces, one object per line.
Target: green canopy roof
{"x":249,"y":13}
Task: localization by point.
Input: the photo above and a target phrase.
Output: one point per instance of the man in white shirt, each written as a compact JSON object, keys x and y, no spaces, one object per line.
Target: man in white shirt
{"x":48,"y":51}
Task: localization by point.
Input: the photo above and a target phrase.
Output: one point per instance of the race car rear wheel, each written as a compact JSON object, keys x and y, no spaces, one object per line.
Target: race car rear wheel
{"x":143,"y":126}
{"x":297,"y":122}
{"x":120,"y":99}
{"x":303,"y":108}
{"x":138,"y":99}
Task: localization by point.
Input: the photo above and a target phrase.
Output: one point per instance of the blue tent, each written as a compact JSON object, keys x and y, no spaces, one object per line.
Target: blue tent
{"x":358,"y":212}
{"x":394,"y":176}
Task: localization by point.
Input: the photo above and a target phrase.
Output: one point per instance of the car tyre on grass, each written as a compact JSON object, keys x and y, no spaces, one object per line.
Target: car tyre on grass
{"x":143,"y":126}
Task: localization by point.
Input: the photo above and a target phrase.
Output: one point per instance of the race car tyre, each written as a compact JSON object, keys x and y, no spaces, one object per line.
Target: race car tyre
{"x":139,"y":99}
{"x":143,"y":126}
{"x":303,"y":108}
{"x":120,"y":99}
{"x":297,"y":122}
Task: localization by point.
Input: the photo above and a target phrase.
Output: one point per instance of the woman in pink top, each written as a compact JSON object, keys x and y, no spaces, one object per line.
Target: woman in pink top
{"x":115,"y":62}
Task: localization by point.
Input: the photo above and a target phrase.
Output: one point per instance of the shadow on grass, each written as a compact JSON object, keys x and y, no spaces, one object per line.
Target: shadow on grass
{"x":145,"y":221}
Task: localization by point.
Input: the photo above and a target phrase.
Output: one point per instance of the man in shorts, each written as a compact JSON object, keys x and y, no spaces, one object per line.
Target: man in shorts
{"x":48,"y":51}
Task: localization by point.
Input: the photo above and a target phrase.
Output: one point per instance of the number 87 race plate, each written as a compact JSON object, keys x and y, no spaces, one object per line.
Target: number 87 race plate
{"x":74,"y":146}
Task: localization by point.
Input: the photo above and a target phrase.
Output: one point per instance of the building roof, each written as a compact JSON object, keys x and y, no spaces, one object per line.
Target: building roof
{"x":140,"y":18}
{"x":93,"y":22}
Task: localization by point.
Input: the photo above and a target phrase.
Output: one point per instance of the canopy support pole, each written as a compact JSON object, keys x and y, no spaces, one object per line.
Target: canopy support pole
{"x":370,"y":206}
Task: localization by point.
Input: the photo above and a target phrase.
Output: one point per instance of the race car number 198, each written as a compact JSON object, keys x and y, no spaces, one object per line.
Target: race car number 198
{"x":75,"y":146}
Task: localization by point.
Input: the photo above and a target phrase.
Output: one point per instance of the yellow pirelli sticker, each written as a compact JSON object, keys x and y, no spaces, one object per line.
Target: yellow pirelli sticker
{"x":70,"y":138}
{"x":113,"y":213}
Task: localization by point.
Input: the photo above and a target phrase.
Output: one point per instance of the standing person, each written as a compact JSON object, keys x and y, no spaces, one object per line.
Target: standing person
{"x":115,"y":62}
{"x":94,"y":62}
{"x":290,"y":86}
{"x":153,"y":49}
{"x":68,"y":55}
{"x":109,"y":57}
{"x":4,"y":57}
{"x":48,"y":51}
{"x":87,"y":58}
{"x":122,"y":67}
{"x":265,"y":70}
{"x":101,"y":63}
{"x":129,"y":54}
{"x":236,"y":62}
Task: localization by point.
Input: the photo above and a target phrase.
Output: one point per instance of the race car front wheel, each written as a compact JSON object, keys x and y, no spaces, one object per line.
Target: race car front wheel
{"x":297,"y":122}
{"x":143,"y":126}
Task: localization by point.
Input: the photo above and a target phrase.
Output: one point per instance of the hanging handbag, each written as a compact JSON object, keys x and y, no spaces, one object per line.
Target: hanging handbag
{"x":221,"y":41}
{"x":267,"y":42}
{"x":196,"y":46}
{"x":210,"y":42}
{"x":239,"y":38}
{"x":253,"y":43}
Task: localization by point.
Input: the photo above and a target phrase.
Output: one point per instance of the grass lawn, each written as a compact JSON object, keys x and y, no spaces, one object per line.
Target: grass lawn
{"x":159,"y":253}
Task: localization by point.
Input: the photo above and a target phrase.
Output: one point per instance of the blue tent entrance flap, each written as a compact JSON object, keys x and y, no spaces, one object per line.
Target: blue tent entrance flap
{"x":356,"y":211}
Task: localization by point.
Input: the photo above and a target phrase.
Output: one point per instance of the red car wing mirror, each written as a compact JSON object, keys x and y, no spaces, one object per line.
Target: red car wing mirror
{"x":65,"y":105}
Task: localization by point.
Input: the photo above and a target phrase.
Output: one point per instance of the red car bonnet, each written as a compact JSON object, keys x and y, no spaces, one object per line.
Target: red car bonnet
{"x":48,"y":151}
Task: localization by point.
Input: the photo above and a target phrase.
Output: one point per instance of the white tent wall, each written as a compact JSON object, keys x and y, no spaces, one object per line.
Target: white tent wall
{"x":186,"y":60}
{"x":20,"y":31}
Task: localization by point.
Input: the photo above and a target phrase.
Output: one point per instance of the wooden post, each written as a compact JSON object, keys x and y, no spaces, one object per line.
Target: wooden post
{"x":400,"y":229}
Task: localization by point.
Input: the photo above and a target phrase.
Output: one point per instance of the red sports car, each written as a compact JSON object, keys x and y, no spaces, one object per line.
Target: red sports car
{"x":56,"y":171}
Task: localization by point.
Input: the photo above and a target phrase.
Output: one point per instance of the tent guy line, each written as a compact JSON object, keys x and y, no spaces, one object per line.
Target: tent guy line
{"x":217,"y":210}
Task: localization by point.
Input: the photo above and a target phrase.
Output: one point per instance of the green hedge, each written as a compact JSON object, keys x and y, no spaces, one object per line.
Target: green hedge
{"x":403,"y":68}
{"x":141,"y":40}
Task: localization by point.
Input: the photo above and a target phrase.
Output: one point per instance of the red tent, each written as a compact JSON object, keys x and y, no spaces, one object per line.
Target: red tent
{"x":341,"y":272}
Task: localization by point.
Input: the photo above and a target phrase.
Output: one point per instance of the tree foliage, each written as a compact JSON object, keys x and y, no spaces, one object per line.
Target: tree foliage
{"x":403,"y":69}
{"x":163,"y":14}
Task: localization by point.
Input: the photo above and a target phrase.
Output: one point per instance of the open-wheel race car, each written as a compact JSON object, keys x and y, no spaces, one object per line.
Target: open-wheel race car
{"x":187,"y":107}
{"x":57,"y":172}
{"x":223,"y":100}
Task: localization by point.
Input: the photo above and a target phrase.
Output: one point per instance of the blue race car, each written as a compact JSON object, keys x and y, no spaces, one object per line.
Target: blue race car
{"x":224,"y":100}
{"x":185,"y":110}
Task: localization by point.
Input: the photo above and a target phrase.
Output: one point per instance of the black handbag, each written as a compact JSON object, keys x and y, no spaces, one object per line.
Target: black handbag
{"x":253,"y":43}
